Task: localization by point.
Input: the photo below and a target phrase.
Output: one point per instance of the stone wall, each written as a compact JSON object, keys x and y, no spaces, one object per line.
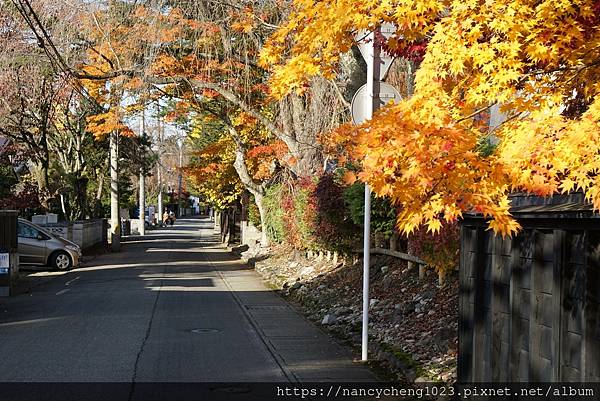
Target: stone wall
{"x":85,"y":233}
{"x":135,"y":226}
{"x":62,"y":230}
{"x":250,"y":234}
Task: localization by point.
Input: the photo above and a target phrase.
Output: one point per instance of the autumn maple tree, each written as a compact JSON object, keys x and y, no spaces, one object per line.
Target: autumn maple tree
{"x":533,"y":65}
{"x":213,"y":171}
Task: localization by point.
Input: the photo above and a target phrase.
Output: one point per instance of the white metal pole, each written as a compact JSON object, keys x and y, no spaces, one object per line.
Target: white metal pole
{"x":367,"y":218}
{"x":366,"y":262}
{"x":373,"y":61}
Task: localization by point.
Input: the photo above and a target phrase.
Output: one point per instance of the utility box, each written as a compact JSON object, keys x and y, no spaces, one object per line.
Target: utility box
{"x":9,"y":256}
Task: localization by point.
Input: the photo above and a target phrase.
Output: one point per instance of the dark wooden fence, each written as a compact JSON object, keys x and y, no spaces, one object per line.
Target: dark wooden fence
{"x":230,"y":225}
{"x":8,"y":230}
{"x":530,"y":306}
{"x":8,"y":244}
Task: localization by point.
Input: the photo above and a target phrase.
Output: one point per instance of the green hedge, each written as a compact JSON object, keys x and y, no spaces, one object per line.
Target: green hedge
{"x":274,"y":214}
{"x":311,"y":214}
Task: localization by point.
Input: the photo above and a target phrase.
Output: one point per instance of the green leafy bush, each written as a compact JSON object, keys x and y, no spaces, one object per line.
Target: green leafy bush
{"x":299,"y":214}
{"x":311,"y":215}
{"x":253,"y":213}
{"x":305,"y":213}
{"x":274,"y":224}
{"x":335,"y":229}
{"x":322,"y":214}
{"x":383,"y":214}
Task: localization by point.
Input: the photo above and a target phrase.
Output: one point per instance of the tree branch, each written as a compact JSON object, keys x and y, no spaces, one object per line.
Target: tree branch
{"x":340,"y":95}
{"x":240,"y":164}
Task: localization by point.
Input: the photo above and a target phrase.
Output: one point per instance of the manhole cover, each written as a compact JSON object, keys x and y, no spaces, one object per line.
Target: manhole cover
{"x":232,"y":389}
{"x":204,"y":331}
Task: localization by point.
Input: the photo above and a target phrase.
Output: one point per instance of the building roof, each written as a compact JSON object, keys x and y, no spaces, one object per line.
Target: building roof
{"x":525,"y":206}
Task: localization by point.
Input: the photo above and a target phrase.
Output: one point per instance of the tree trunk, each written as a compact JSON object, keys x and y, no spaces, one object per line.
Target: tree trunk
{"x":100,"y":185}
{"x":82,"y":198}
{"x":159,"y":169}
{"x":259,"y":201}
{"x":142,"y":189}
{"x":160,"y":194}
{"x":78,"y":202}
{"x":255,"y":189}
{"x":43,"y":182}
{"x":410,"y":78}
{"x":63,"y":208}
{"x":115,"y":221}
{"x":142,"y":228}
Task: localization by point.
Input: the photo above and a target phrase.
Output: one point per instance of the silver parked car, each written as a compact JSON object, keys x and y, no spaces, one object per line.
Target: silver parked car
{"x":38,"y":246}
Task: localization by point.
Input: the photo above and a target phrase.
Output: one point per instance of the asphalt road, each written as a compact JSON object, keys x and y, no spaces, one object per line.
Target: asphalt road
{"x":174,"y":306}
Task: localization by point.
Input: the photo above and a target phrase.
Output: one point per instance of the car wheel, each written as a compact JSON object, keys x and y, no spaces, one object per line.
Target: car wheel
{"x":61,"y":261}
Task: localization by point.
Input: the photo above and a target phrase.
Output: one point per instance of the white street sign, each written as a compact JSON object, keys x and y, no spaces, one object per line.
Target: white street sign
{"x":366,"y":49}
{"x":387,"y":93}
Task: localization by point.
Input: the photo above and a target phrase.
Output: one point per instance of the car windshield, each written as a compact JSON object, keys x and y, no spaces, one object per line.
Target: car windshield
{"x":26,"y":231}
{"x":30,"y":230}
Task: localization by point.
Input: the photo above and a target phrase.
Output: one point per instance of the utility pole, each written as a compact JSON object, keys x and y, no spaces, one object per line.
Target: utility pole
{"x":142,"y":205}
{"x":180,"y":177}
{"x":115,"y":220}
{"x":159,"y":167}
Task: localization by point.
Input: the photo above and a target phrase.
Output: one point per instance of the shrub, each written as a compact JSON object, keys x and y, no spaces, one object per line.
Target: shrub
{"x":253,"y":213}
{"x":299,"y":214}
{"x":441,"y":250}
{"x":383,"y":214}
{"x":320,"y":213}
{"x":335,"y":229}
{"x":311,"y":215}
{"x":305,"y":213}
{"x":274,"y":224}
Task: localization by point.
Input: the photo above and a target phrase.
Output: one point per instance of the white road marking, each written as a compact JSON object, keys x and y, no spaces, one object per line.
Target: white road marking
{"x":23,"y":322}
{"x":63,"y":291}
{"x":70,"y":281}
